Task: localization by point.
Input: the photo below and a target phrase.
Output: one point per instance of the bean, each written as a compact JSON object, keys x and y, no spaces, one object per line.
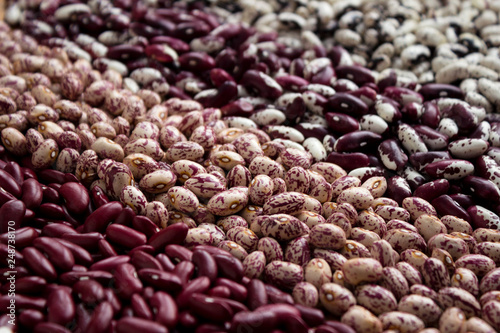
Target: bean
{"x":60,"y":307}
{"x":134,"y":324}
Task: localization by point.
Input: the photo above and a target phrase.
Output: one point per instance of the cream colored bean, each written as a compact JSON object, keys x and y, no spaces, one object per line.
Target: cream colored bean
{"x":335,"y":298}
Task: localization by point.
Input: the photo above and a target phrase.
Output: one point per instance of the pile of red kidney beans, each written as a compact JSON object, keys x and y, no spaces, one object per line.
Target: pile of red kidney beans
{"x":250,"y":166}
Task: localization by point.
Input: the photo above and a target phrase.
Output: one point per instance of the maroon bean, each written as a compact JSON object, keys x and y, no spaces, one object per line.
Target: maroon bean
{"x":76,"y":197}
{"x":238,"y":291}
{"x":23,"y":236}
{"x":340,"y":327}
{"x":15,"y":171}
{"x":113,"y":300}
{"x":50,"y":328}
{"x":445,"y":205}
{"x":10,"y":184}
{"x":229,"y":267}
{"x":462,"y":115}
{"x":220,"y":291}
{"x":88,"y":241}
{"x":175,"y":43}
{"x":178,"y":253}
{"x":105,"y":249}
{"x":52,"y":211}
{"x":432,"y":189}
{"x":29,"y":318}
{"x":134,"y":325}
{"x":165,"y":309}
{"x":125,"y":52}
{"x":143,"y":248}
{"x":165,"y":262}
{"x":11,"y":215}
{"x":21,"y":272}
{"x":125,"y":236}
{"x":5,"y":196}
{"x":50,"y":194}
{"x":277,"y":296}
{"x":101,"y":318}
{"x":188,"y":320}
{"x":210,"y":308}
{"x":126,"y":281}
{"x":463,"y":200}
{"x":145,"y":225}
{"x":432,"y":91}
{"x":140,"y":307}
{"x":357,"y":74}
{"x":173,"y":234}
{"x":70,"y":278}
{"x":141,"y":259}
{"x":23,"y":302}
{"x":349,"y":161}
{"x":110,"y":264}
{"x":40,"y":265}
{"x":90,"y":292}
{"x":238,"y":108}
{"x":82,"y":317}
{"x":392,"y":155}
{"x":99,"y":198}
{"x":102,"y":216}
{"x":325,"y":329}
{"x":313,"y":317}
{"x":358,"y":140}
{"x":212,"y":250}
{"x":198,"y":285}
{"x":341,"y":123}
{"x":263,"y":321}
{"x":205,"y":264}
{"x":257,"y":295}
{"x":28,"y":173}
{"x":59,"y":255}
{"x":48,"y":176}
{"x":81,"y":255}
{"x":28,"y":285}
{"x":60,"y":307}
{"x":398,"y":189}
{"x":32,"y":193}
{"x":482,"y":189}
{"x":261,"y":84}
{"x":346,"y":103}
{"x":160,"y":279}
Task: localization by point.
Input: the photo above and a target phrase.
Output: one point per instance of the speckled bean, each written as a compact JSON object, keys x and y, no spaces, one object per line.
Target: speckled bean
{"x":362,"y":320}
{"x":403,"y":321}
{"x":359,"y":270}
{"x":335,"y":298}
{"x":306,"y":294}
{"x":254,"y":264}
{"x":283,"y":274}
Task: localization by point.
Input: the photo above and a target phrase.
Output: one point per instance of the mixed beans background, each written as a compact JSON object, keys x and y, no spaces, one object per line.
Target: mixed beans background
{"x":251,"y":166}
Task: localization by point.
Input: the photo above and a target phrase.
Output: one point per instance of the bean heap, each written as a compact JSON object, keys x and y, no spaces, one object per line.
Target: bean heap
{"x":255,"y":166}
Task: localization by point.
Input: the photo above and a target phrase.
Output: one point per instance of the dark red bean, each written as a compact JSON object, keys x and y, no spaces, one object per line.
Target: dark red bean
{"x":184,"y":270}
{"x":125,"y":236}
{"x":140,"y":307}
{"x":188,"y":320}
{"x":341,"y":123}
{"x":355,"y":141}
{"x":5,"y":196}
{"x":99,"y":198}
{"x":90,"y":292}
{"x":398,"y":189}
{"x":313,"y":317}
{"x":205,"y":264}
{"x":106,"y":249}
{"x":431,"y":190}
{"x":175,"y":43}
{"x":70,"y":278}
{"x":166,"y":264}
{"x":210,"y":308}
{"x":392,"y":155}
{"x":110,"y":264}
{"x":50,"y":195}
{"x":125,"y":52}
{"x":6,"y":273}
{"x":88,"y":241}
{"x":82,"y":317}
{"x":15,"y":171}
{"x":349,"y":161}
{"x":253,"y":321}
{"x":296,"y":325}
{"x":220,"y":291}
{"x":102,"y":216}
{"x":257,"y":295}
{"x":23,"y":302}
{"x":160,"y":279}
{"x":28,"y":173}
{"x":32,"y":193}
{"x":60,"y":307}
{"x":340,"y":327}
{"x":29,"y":318}
{"x":312,"y":130}
{"x":178,"y":253}
{"x":255,"y":81}
{"x":6,"y":252}
{"x":229,"y":267}
{"x":81,"y":255}
{"x":432,"y":91}
{"x":11,"y":215}
{"x":277,"y":296}
{"x":134,"y":325}
{"x":143,"y":248}
{"x":445,"y":205}
{"x":325,"y":329}
{"x":347,"y":103}
{"x":113,"y":300}
{"x":357,"y":74}
{"x":173,"y":234}
{"x":40,"y":265}
{"x":482,"y":189}
{"x":100,"y":321}
{"x":145,"y":225}
{"x":27,"y":285}
{"x":52,"y":211}
{"x":23,"y":236}
{"x":125,"y":217}
{"x":48,"y":176}
{"x":463,"y":200}
{"x":198,"y":285}
{"x":76,"y":197}
{"x":430,"y":115}
{"x":141,"y":259}
{"x":59,"y":255}
{"x":238,"y":108}
{"x":212,"y":250}
{"x":10,"y":184}
{"x":238,"y":291}
{"x":50,"y":328}
{"x":165,"y":309}
{"x":126,"y":281}
{"x":462,"y":115}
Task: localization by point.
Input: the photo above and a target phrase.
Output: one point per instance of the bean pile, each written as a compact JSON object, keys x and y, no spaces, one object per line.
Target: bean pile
{"x":250,"y":166}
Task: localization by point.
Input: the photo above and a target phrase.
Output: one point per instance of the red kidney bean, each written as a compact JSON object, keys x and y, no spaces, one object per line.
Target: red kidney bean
{"x":463,"y":200}
{"x":50,"y":194}
{"x":188,"y":320}
{"x":210,"y":308}
{"x":90,"y":292}
{"x":432,"y":91}
{"x":349,"y":161}
{"x":134,"y":325}
{"x":238,"y":108}
{"x":325,"y":329}
{"x":165,"y":309}
{"x":482,"y":189}
{"x":432,"y":190}
{"x":145,"y":225}
{"x":178,"y":253}
{"x":88,"y":241}
{"x":28,"y":285}
{"x":141,"y":259}
{"x":99,"y":198}
{"x":40,"y":265}
{"x":229,"y":267}
{"x":5,"y":196}
{"x":144,"y":248}
{"x":11,"y":215}
{"x":258,"y":82}
{"x":257,"y":320}
{"x":102,"y":216}
{"x":205,"y":263}
{"x":347,"y":103}
{"x":220,"y":291}
{"x":173,"y":234}
{"x":47,"y":176}
{"x":398,"y":189}
{"x":76,"y":197}
{"x":24,"y":302}
{"x":10,"y":184}
{"x":29,"y":318}
{"x":184,"y":270}
{"x":60,"y":307}
{"x":358,"y":140}
{"x":125,"y":52}
{"x":341,"y":123}
{"x":82,"y":317}
{"x":125,"y":217}
{"x":81,"y":255}
{"x":15,"y":171}
{"x":21,"y":272}
{"x":70,"y":278}
{"x":23,"y":236}
{"x":238,"y":291}
{"x":50,"y":328}
{"x":100,"y":321}
{"x":52,"y":211}
{"x":4,"y":251}
{"x":313,"y":317}
{"x":198,"y":285}
{"x":125,"y":236}
{"x":357,"y":74}
{"x":140,"y":307}
{"x":165,"y":262}
{"x":160,"y":279}
{"x":110,"y":264}
{"x":59,"y":255}
{"x":257,"y":295}
{"x":29,"y":173}
{"x":126,"y":281}
{"x":277,"y":296}
{"x":462,"y":115}
{"x":212,"y":250}
{"x":113,"y":300}
{"x":445,"y":205}
{"x":32,"y":193}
